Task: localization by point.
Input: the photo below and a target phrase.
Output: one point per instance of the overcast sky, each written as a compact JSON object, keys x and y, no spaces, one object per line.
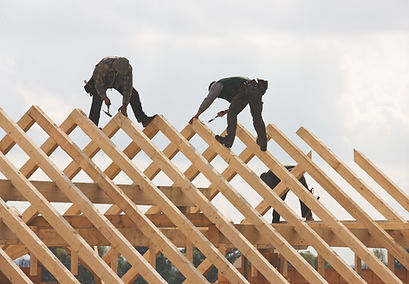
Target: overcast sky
{"x":338,"y":68}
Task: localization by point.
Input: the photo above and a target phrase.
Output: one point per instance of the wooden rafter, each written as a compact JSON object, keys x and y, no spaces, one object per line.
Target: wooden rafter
{"x":30,"y":240}
{"x":10,"y":269}
{"x":41,"y":204}
{"x":317,"y":174}
{"x":262,"y":189}
{"x":166,"y":206}
{"x":181,"y":214}
{"x":390,"y":187}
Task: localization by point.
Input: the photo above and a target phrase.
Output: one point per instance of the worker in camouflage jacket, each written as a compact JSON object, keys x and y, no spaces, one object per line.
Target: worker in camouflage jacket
{"x":114,"y":72}
{"x":239,"y":92}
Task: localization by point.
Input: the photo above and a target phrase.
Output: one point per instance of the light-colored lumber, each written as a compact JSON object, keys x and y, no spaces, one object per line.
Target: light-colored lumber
{"x":64,"y":228}
{"x":279,"y":189}
{"x":74,"y":262}
{"x":10,"y":269}
{"x":114,"y":259}
{"x":30,"y":166}
{"x":53,"y":216}
{"x":16,"y":251}
{"x":391,"y":262}
{"x":7,"y":143}
{"x":358,"y":264}
{"x":246,"y":155}
{"x":284,"y":266}
{"x":99,"y":220}
{"x":95,"y":194}
{"x":321,"y":265}
{"x":37,"y":247}
{"x":189,"y":251}
{"x":166,"y":206}
{"x":317,"y":174}
{"x":152,"y":254}
{"x":303,"y":194}
{"x":201,"y":202}
{"x":33,"y":258}
{"x":361,"y":188}
{"x":262,"y":189}
{"x":344,"y":171}
{"x":236,"y":199}
{"x":390,"y":187}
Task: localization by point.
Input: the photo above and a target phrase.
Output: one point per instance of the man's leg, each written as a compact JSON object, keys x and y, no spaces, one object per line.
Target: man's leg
{"x":276,"y":216}
{"x":236,"y":106}
{"x":137,"y":109}
{"x":256,"y":108}
{"x":137,"y":106}
{"x":95,"y":110}
{"x":305,"y":211}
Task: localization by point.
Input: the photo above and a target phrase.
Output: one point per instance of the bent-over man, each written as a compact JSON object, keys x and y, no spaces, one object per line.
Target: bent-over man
{"x":239,"y":92}
{"x":114,"y":72}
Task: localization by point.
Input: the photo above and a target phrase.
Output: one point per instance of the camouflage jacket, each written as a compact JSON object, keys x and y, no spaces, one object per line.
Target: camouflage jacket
{"x":106,"y":77}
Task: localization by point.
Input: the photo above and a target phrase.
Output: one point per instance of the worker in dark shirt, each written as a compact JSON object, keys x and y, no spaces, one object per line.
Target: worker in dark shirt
{"x":240,"y":92}
{"x":114,"y":72}
{"x":272,"y":181}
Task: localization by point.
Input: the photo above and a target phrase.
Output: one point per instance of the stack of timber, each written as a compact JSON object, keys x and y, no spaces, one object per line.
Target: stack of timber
{"x":181,"y":214}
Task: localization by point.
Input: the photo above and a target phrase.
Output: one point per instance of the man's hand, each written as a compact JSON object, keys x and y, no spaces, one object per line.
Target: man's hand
{"x":222,"y":112}
{"x":196,"y":116}
{"x":107,"y":101}
{"x":123,"y":110}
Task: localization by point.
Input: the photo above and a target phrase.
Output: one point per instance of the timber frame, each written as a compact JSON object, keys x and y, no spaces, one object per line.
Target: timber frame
{"x":180,"y":215}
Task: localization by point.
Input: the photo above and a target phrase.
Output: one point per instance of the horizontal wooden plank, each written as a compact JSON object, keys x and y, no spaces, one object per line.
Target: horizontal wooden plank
{"x":96,"y":195}
{"x":137,"y":238}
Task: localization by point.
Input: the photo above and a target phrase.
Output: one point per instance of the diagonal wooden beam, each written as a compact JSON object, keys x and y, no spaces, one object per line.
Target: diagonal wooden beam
{"x":317,"y":174}
{"x":116,"y":194}
{"x":166,"y":206}
{"x":177,"y":177}
{"x":261,"y":224}
{"x":42,"y":205}
{"x":7,"y":143}
{"x":111,"y":171}
{"x":10,"y":269}
{"x":170,"y":151}
{"x":30,"y":166}
{"x":349,"y":175}
{"x":99,"y":220}
{"x":279,"y":189}
{"x":241,"y":204}
{"x":379,"y":177}
{"x":30,"y":239}
{"x":399,"y":252}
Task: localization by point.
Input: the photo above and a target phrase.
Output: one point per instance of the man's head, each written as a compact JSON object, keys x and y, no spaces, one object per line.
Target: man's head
{"x":121,"y":65}
{"x":262,"y":85}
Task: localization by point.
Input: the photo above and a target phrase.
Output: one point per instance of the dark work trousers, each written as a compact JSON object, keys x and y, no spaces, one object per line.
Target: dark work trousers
{"x":245,"y":97}
{"x":272,"y":181}
{"x":135,"y":103}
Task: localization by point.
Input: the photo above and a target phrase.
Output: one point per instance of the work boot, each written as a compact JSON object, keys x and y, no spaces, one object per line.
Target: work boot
{"x":223,"y":140}
{"x":263,"y":145}
{"x":147,"y":120}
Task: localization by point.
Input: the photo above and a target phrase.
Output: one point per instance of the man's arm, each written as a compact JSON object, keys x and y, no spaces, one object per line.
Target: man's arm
{"x":214,"y":92}
{"x":100,"y":87}
{"x":127,"y":92}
